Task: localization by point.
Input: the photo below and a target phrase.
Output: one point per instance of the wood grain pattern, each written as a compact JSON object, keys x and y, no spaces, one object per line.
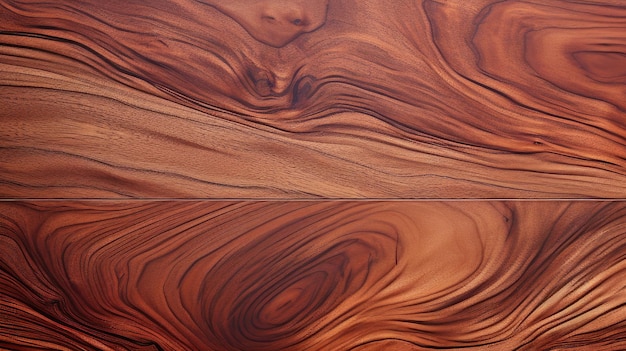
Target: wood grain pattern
{"x":310,"y":99}
{"x":140,"y":275}
{"x":293,"y":99}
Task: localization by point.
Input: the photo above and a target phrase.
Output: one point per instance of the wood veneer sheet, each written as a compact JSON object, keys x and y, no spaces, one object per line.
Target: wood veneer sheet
{"x":306,"y":99}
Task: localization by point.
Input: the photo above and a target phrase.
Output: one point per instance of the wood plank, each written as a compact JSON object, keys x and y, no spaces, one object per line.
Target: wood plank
{"x":144,"y":275}
{"x":348,"y":99}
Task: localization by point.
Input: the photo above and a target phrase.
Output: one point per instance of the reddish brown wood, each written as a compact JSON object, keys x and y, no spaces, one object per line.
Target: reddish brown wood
{"x":313,"y":275}
{"x":292,"y":99}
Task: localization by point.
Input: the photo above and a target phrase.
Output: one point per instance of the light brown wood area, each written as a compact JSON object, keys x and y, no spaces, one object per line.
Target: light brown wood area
{"x":313,"y":275}
{"x":294,"y":99}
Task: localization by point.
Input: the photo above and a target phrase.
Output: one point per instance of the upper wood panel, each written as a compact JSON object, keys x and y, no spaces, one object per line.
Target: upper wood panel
{"x":287,"y":99}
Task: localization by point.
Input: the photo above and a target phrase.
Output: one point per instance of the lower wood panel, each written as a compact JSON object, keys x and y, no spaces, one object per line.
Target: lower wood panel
{"x":142,"y":275}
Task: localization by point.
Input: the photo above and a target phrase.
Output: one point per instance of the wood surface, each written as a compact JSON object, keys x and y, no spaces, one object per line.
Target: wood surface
{"x":373,"y":175}
{"x":139,"y":275}
{"x":292,"y":99}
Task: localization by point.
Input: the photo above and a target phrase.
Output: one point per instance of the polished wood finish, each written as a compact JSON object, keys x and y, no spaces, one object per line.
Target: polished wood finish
{"x":322,"y":138}
{"x":351,"y":99}
{"x":313,"y":275}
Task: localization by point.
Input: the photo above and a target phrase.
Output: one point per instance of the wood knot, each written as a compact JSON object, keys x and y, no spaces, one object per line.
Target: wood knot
{"x":302,"y":90}
{"x":262,"y":80}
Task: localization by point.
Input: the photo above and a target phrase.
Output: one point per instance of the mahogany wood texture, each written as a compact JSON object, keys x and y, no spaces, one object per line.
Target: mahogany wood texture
{"x":144,"y":275}
{"x":319,"y":99}
{"x":292,"y":99}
